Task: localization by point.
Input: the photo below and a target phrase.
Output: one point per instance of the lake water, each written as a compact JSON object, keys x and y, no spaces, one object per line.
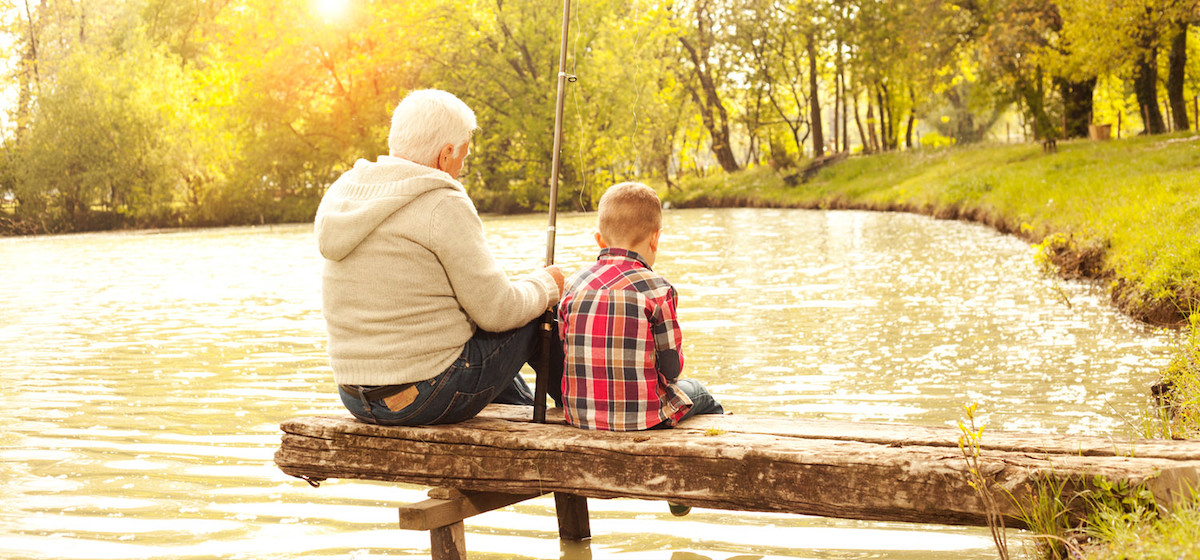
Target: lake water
{"x":144,"y":376}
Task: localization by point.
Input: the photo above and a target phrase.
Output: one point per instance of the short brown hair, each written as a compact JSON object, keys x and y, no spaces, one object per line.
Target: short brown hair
{"x":629,"y":213}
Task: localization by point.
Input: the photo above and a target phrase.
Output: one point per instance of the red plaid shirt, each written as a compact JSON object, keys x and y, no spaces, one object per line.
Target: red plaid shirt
{"x":622,"y":341}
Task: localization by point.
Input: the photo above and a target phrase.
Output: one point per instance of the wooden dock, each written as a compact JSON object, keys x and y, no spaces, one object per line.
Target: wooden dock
{"x":850,"y":470}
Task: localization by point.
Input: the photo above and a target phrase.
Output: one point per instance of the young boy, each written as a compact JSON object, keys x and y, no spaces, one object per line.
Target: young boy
{"x":619,"y":330}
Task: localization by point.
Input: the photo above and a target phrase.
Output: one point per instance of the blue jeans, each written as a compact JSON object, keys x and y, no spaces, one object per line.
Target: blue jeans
{"x":487,"y":371}
{"x":702,"y":401}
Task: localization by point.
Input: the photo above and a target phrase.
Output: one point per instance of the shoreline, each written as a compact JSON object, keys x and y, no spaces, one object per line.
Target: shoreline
{"x":1125,"y":216}
{"x":1071,"y":262}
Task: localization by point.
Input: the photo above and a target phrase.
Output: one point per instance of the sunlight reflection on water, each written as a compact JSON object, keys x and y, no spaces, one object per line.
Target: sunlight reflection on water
{"x":146,"y":375}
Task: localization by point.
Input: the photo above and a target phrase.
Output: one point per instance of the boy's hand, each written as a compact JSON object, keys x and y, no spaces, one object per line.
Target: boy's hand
{"x":558,"y":277}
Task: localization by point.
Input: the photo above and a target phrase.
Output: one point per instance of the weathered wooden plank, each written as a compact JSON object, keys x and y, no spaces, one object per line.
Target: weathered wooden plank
{"x":873,"y":432}
{"x":940,"y":436}
{"x":440,"y":512}
{"x":901,"y":473}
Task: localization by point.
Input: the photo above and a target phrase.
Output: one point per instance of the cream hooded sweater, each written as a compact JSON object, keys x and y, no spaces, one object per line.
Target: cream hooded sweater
{"x":408,"y":275}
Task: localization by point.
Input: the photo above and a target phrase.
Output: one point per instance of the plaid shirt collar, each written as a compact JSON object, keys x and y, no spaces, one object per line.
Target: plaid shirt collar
{"x":615,"y":253}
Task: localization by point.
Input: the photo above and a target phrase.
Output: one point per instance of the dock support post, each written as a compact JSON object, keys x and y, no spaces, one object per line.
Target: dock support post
{"x":573,"y":524}
{"x":443,"y":514}
{"x":448,"y":542}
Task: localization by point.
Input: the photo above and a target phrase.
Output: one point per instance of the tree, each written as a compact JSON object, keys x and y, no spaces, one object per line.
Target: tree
{"x":499,"y":59}
{"x":1145,"y":71}
{"x":1126,"y":38}
{"x":814,"y":94}
{"x":1177,"y":70}
{"x":630,"y":103}
{"x":708,"y":60}
{"x":185,"y":27}
{"x":311,"y":96}
{"x":1013,"y":37}
{"x":768,"y":33}
{"x":236,"y":111}
{"x":101,"y":149}
{"x":880,"y":46}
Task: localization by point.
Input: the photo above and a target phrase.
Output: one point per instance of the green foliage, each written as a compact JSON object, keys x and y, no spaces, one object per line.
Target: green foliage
{"x":935,"y":140}
{"x":1176,"y":397}
{"x":249,"y":109}
{"x":1125,"y":530}
{"x":1047,"y":515}
{"x":1097,"y":519}
{"x":511,"y":83}
{"x":970,"y":443}
{"x":100,"y":151}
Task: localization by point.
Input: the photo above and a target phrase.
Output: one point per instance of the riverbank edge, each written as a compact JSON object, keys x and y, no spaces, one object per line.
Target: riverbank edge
{"x":1072,"y":261}
{"x":1073,"y":256}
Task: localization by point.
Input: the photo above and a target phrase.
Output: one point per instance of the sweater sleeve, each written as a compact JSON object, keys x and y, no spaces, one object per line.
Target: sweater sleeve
{"x":493,"y":301}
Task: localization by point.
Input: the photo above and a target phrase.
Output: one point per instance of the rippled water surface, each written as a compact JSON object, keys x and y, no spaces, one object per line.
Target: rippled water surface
{"x":144,"y":376}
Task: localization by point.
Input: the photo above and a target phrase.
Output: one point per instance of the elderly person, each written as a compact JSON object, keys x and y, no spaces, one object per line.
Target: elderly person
{"x":424,"y":325}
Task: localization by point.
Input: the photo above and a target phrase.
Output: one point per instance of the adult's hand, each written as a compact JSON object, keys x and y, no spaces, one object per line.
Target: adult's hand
{"x":558,"y":277}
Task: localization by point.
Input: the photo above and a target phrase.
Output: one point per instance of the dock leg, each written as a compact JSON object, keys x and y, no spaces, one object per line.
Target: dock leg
{"x":448,"y":543}
{"x":573,"y":524}
{"x":443,"y":514}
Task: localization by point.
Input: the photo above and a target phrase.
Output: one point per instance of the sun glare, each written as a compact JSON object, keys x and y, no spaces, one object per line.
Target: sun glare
{"x":332,"y":9}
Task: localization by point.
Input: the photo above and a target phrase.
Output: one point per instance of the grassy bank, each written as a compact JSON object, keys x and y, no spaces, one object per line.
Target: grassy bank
{"x":1126,"y":211}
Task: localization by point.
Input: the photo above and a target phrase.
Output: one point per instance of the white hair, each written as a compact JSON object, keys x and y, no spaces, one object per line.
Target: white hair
{"x":425,"y":121}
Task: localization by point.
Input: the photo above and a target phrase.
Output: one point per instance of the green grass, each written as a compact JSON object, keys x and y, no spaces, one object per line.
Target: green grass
{"x":1123,"y":536}
{"x":1130,"y":526}
{"x":1131,"y":206}
{"x":1175,"y":413}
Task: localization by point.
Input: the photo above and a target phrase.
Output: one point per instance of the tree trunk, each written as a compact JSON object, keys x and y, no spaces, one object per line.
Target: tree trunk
{"x":862,"y":135}
{"x":1035,"y":103}
{"x":1145,"y":84}
{"x":1077,"y":106}
{"x":837,"y":109}
{"x":29,"y":80}
{"x":1176,"y":74}
{"x":871,"y":124}
{"x":839,"y":101}
{"x":912,"y":118}
{"x":814,"y":98}
{"x":886,"y":138}
{"x":845,"y":115}
{"x":660,"y":157}
{"x":712,"y":111}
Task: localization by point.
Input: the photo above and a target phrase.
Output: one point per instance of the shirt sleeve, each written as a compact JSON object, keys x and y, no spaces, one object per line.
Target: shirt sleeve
{"x":493,"y":301}
{"x":668,"y":337}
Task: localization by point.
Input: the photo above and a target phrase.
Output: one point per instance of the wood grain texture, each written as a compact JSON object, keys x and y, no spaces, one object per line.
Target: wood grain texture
{"x":573,"y":523}
{"x":448,"y":543}
{"x":752,"y":463}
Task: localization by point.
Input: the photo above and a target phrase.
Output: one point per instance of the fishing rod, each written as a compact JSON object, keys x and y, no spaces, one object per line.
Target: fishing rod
{"x":542,"y":380}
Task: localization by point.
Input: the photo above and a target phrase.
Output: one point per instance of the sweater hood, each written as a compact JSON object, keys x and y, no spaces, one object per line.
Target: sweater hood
{"x":365,"y":196}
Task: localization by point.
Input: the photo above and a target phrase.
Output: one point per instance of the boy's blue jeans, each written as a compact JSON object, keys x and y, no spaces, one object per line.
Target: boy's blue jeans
{"x":702,"y":401}
{"x":487,"y":371}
